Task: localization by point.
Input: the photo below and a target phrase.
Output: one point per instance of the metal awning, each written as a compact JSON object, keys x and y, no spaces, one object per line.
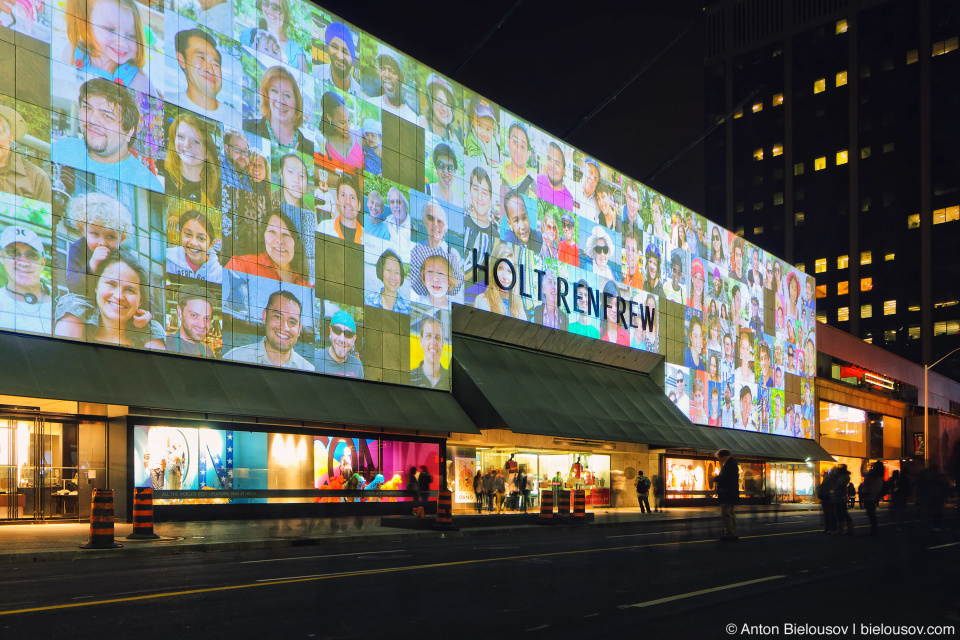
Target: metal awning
{"x":503,"y":387}
{"x":41,"y":367}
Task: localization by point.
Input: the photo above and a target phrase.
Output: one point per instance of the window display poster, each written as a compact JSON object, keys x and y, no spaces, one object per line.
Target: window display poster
{"x":464,"y":471}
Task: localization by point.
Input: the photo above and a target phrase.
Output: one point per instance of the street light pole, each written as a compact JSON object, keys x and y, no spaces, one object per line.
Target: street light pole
{"x":926,"y":404}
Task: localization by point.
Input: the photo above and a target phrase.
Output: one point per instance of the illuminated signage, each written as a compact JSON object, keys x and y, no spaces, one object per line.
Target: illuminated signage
{"x":263,"y":183}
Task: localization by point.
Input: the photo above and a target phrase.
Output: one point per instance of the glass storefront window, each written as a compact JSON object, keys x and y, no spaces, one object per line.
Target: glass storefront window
{"x":690,"y":477}
{"x":587,"y":471}
{"x":842,"y":422}
{"x":258,"y":467}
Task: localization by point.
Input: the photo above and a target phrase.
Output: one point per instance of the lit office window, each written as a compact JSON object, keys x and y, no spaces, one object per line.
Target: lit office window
{"x":890,"y":335}
{"x":914,"y":307}
{"x":889,"y":147}
{"x":913,"y":222}
{"x":944,"y":46}
{"x":866,"y":284}
{"x":821,"y":291}
{"x":822,"y":317}
{"x":758,"y":206}
{"x":843,"y":262}
{"x":801,"y":267}
{"x":757,"y":107}
{"x":864,"y":153}
{"x":843,"y":314}
{"x":820,"y":85}
{"x":820,"y":164}
{"x":865,"y":204}
{"x":913,"y":56}
{"x":798,"y":218}
{"x":798,"y":169}
{"x":948,"y":214}
{"x":777,"y":100}
{"x":841,"y":26}
{"x":841,"y":78}
{"x":843,"y":288}
{"x":842,"y":157}
{"x":945,"y":303}
{"x":758,"y":154}
{"x":778,"y":198}
{"x":758,"y":231}
{"x":951,"y":327}
{"x":913,"y":332}
{"x":866,"y":311}
{"x":889,"y":307}
{"x":889,"y":257}
{"x":820,"y":265}
{"x":777,"y":150}
{"x":738,"y":114}
{"x":866,"y":257}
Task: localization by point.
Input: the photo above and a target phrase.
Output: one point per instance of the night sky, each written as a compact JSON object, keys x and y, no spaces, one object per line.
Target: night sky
{"x":553,"y":62}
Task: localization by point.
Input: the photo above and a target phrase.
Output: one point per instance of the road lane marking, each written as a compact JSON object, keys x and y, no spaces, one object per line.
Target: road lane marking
{"x":334,"y":555}
{"x":439,"y":565}
{"x":543,"y":626}
{"x":942,"y":546}
{"x":634,"y":535}
{"x":736,"y":585}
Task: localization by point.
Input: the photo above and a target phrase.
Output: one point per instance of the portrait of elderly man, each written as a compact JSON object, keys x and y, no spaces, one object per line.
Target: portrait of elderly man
{"x":585,"y":191}
{"x":18,"y":175}
{"x":342,"y":52}
{"x":25,"y":301}
{"x":431,"y":373}
{"x":109,"y":120}
{"x":339,"y":359}
{"x":200,"y":61}
{"x":281,"y":328}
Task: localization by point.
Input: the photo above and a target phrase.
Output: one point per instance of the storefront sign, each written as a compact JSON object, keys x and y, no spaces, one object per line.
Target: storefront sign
{"x":629,"y":313}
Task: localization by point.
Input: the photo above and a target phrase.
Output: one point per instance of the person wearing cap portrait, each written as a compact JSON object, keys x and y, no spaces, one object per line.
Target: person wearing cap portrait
{"x":343,"y":54}
{"x":338,"y":359}
{"x":18,"y":175}
{"x":441,"y":107}
{"x":431,"y":373}
{"x":437,"y":276}
{"x":482,"y":139}
{"x":25,"y":301}
{"x":372,"y":146}
{"x":568,"y":249}
{"x":391,"y":84}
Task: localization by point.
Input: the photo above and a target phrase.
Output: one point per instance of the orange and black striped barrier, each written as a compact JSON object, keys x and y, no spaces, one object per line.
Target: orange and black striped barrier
{"x":444,"y":511}
{"x":546,"y":507}
{"x":579,"y":506}
{"x":101,"y":521}
{"x":143,"y":515}
{"x":563,"y":509}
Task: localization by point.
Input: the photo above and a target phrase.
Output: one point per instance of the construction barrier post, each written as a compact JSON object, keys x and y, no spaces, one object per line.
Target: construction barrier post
{"x":580,"y":506}
{"x":445,"y":511}
{"x":101,"y":521}
{"x":143,"y":515}
{"x":546,"y":506}
{"x":563,"y":509}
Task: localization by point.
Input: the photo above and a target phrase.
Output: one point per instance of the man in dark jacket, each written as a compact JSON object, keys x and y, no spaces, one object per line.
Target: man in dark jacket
{"x":728,"y":493}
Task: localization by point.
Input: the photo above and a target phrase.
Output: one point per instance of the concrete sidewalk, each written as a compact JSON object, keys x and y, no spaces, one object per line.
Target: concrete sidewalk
{"x":62,"y":540}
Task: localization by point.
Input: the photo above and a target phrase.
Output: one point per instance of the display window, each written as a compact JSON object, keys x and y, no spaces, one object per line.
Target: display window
{"x":201,"y":465}
{"x":687,"y":478}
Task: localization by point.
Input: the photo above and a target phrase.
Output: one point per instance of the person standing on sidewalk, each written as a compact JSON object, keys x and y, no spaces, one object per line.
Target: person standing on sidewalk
{"x":643,"y":491}
{"x":871,"y":492}
{"x":478,"y":490}
{"x":839,"y":499}
{"x":728,"y":494}
{"x":489,"y":484}
{"x":424,"y":480}
{"x":659,"y":493}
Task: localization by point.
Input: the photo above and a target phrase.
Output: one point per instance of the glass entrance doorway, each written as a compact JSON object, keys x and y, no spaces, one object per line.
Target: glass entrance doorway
{"x":38,"y":469}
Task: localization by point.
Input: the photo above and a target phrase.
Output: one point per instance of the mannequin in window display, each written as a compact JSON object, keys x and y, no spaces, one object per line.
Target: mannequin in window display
{"x":346,"y":464}
{"x":576,"y":474}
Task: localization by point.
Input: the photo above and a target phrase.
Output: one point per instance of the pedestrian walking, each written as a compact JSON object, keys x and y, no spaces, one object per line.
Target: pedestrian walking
{"x":424,"y":480}
{"x":413,"y":485}
{"x":524,"y":483}
{"x":824,"y":493}
{"x":851,"y":495}
{"x":871,"y":491}
{"x":901,"y":488}
{"x":932,"y":493}
{"x":500,"y":490}
{"x":478,"y":490}
{"x":659,"y":493}
{"x":728,"y":494}
{"x":643,"y":492}
{"x":839,"y":498}
{"x":489,"y":487}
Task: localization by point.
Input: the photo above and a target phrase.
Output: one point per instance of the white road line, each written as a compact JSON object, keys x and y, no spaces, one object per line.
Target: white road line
{"x":335,"y":555}
{"x":634,"y":535}
{"x":941,"y":546}
{"x":651,"y":603}
{"x":543,"y":626}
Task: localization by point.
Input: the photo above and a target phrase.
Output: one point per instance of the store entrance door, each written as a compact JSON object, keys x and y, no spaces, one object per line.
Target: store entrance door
{"x":38,"y":469}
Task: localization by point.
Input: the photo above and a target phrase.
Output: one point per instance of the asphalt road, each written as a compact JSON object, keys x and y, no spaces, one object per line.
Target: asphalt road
{"x":665,"y":581}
